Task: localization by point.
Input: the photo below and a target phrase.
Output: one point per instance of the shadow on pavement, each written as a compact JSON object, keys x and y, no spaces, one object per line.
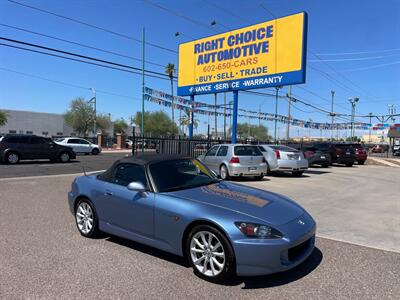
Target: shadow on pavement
{"x":253,"y":282}
{"x":267,"y":281}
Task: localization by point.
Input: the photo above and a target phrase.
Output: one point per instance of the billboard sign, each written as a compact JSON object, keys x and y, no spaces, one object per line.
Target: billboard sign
{"x":263,"y":55}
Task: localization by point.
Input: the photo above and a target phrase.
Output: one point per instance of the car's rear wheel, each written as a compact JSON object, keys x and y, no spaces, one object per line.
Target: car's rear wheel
{"x":86,"y":219}
{"x":224,"y":173}
{"x":210,"y":254}
{"x":64,"y":157}
{"x":349,"y":164}
{"x":12,"y":158}
{"x":269,"y":173}
{"x":259,"y":177}
{"x":325,"y":165}
{"x":297,"y":173}
{"x":95,"y":151}
{"x":361,"y":162}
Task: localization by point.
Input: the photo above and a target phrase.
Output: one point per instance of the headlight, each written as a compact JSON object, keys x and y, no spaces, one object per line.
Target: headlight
{"x":258,"y":231}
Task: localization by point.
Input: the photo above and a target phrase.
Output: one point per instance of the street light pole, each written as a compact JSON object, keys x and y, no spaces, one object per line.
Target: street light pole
{"x":370,"y":125}
{"x":353,"y":102}
{"x":276,"y":112}
{"x":289,"y":96}
{"x":142,"y":121}
{"x":215,"y":115}
{"x":332,"y":114}
{"x":93,"y":100}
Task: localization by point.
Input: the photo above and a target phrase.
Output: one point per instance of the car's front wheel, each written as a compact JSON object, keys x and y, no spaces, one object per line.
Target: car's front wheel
{"x":210,"y":254}
{"x":297,"y":173}
{"x":349,"y":164}
{"x":95,"y":151}
{"x":86,"y":219}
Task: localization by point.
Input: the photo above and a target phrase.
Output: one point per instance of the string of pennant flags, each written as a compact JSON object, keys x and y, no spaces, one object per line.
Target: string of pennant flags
{"x":164,"y":99}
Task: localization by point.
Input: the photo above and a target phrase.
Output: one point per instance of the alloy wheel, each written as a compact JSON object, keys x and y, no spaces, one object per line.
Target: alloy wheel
{"x":207,"y":253}
{"x":84,"y":218}
{"x":64,"y":157}
{"x":13,"y":158}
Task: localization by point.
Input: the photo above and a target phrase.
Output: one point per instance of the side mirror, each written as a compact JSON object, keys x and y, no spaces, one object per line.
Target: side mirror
{"x":137,"y":187}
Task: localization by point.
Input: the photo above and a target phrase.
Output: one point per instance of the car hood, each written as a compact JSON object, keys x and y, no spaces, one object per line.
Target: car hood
{"x":269,"y":207}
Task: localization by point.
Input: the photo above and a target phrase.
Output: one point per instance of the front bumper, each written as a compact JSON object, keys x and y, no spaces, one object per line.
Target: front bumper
{"x":262,"y":257}
{"x":239,"y":170}
{"x":292,"y":165}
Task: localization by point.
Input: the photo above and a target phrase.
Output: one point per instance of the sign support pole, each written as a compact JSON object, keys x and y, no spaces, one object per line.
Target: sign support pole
{"x":142,"y":119}
{"x":191,"y":118}
{"x":235,"y":112}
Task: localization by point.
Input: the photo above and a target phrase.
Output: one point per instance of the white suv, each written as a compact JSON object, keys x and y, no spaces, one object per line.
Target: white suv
{"x":79,"y":145}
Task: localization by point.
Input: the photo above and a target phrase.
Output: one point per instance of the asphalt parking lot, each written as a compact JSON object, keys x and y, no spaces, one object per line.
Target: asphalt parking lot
{"x":42,"y":254}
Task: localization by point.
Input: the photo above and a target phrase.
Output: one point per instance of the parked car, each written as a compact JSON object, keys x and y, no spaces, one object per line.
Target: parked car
{"x":361,"y":153}
{"x":128,"y":143}
{"x":317,"y":156}
{"x":229,"y":160}
{"x":285,"y":159}
{"x":17,"y":147}
{"x":340,"y":153}
{"x":178,"y":205}
{"x":80,"y":145}
{"x":379,"y":148}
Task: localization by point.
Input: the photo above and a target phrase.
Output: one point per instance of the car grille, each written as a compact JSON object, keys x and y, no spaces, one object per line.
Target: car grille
{"x":297,"y":251}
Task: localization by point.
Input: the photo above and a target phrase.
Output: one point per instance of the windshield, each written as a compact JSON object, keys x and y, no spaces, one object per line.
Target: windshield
{"x":180,"y":174}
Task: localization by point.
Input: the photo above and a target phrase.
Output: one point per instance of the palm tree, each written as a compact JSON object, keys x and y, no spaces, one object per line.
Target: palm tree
{"x":3,"y":118}
{"x":170,"y":70}
{"x":184,"y":121}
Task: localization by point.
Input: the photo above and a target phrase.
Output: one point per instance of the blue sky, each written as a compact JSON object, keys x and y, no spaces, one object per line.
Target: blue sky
{"x":335,"y":27}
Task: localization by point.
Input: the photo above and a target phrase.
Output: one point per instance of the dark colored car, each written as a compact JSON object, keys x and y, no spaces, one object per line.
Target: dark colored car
{"x":14,"y":147}
{"x":317,"y":156}
{"x":361,"y":153}
{"x":340,"y":153}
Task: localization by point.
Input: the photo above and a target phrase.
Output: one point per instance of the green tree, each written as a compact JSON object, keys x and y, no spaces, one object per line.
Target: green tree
{"x":3,"y":118}
{"x":156,"y":123}
{"x":80,"y":116}
{"x":120,"y":126}
{"x":184,"y":121}
{"x":103,"y":122}
{"x":170,"y":70}
{"x":246,"y":130}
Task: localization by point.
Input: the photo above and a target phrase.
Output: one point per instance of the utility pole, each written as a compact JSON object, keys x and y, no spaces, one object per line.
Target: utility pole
{"x":276,"y":112}
{"x":215,"y":116}
{"x":142,"y":121}
{"x":353,"y":102}
{"x":94,"y":100}
{"x":259,"y":115}
{"x":225,"y":116}
{"x":332,"y":114}
{"x":370,"y":125}
{"x":289,"y":96}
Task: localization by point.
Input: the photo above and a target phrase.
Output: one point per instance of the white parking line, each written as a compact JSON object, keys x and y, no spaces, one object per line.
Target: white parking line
{"x":47,"y":176}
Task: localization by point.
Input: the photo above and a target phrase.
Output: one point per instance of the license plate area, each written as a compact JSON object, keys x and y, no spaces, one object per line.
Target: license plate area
{"x":252,"y":169}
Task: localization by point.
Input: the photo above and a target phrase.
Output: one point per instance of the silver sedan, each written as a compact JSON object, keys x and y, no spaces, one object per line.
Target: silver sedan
{"x":235,"y":160}
{"x":284,"y":159}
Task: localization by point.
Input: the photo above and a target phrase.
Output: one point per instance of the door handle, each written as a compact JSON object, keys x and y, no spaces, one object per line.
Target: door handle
{"x":108,"y":193}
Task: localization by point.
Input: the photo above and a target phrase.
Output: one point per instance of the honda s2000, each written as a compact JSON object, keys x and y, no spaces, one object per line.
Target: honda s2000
{"x":178,"y":205}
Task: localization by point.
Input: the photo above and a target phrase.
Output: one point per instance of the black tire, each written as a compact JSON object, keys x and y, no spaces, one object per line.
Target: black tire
{"x":269,"y":173}
{"x":94,"y":231}
{"x":12,"y":158}
{"x":64,"y":157}
{"x":361,"y":162}
{"x":224,"y":174}
{"x":297,"y":173}
{"x":325,"y":165}
{"x":349,"y":164}
{"x":95,"y":151}
{"x":230,"y":266}
{"x":259,"y":177}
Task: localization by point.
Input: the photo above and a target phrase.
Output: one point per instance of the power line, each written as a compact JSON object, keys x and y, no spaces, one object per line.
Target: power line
{"x":179,"y":15}
{"x":352,"y":59}
{"x":360,"y":52}
{"x":93,"y":26}
{"x":78,"y":60}
{"x":80,"y":56}
{"x":80,"y":44}
{"x":372,"y":67}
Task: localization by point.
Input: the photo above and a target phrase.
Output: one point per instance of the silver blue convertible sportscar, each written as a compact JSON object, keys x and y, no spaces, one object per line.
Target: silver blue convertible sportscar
{"x":177,"y":204}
